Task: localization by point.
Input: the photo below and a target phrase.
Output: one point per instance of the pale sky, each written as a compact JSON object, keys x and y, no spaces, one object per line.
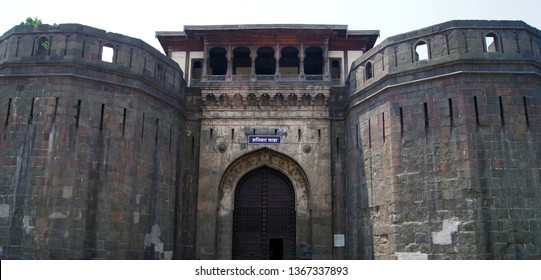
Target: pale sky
{"x":141,"y":19}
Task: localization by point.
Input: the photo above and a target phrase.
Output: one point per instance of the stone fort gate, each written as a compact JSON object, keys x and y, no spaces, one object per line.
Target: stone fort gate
{"x":263,"y":198}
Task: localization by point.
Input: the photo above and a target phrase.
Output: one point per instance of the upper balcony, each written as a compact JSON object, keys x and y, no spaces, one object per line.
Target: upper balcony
{"x":266,"y":53}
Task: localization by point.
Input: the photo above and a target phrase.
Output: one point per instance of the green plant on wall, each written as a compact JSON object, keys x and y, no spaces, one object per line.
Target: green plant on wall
{"x":45,"y":44}
{"x":36,"y":22}
{"x":32,"y":21}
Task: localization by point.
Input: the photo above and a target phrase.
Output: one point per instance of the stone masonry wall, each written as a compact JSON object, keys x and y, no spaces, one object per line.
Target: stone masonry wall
{"x":299,"y":114}
{"x":90,"y":150}
{"x":447,"y":161}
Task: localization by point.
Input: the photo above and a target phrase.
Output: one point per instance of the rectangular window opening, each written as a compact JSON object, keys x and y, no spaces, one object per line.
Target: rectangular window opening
{"x":107,"y":54}
{"x":490,"y":43}
{"x":299,"y":135}
{"x":232,"y":134}
{"x":211,"y":132}
{"x":319,"y":135}
{"x":421,"y":51}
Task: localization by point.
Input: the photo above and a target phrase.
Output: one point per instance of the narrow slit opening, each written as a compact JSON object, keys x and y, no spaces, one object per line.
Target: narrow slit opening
{"x":143,"y":127}
{"x":55,"y":109}
{"x":156,"y":136}
{"x":31,"y":115}
{"x":476,"y":110}
{"x":425,"y":106}
{"x":383,"y":126}
{"x":526,"y":110}
{"x":78,"y":115}
{"x":101,"y":116}
{"x":193,"y":146}
{"x":451,"y":117}
{"x":337,"y":146}
{"x":170,"y":136}
{"x":502,"y":117}
{"x":357,"y":135}
{"x":124,"y":122}
{"x":369,"y":135}
{"x":401,"y":121}
{"x":8,"y":113}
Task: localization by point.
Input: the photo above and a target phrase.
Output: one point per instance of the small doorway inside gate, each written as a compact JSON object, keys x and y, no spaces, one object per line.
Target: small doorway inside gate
{"x":264,"y":217}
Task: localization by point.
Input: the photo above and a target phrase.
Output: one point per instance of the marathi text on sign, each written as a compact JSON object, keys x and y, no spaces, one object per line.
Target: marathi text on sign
{"x":261,"y":139}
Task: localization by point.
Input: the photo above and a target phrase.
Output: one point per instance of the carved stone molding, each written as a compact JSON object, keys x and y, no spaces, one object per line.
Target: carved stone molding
{"x":277,"y":100}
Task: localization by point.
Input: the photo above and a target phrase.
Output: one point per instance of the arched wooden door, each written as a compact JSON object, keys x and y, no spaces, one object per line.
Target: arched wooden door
{"x":264,"y":217}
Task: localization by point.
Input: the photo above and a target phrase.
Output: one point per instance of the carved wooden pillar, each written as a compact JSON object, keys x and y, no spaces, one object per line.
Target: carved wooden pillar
{"x":326,"y":70}
{"x":253,"y":56}
{"x":301,"y":63}
{"x":205,"y":60}
{"x":277,"y":55}
{"x":229,"y":55}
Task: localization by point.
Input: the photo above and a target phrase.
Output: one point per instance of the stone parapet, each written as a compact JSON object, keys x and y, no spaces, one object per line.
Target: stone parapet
{"x":83,"y":51}
{"x":462,"y":45}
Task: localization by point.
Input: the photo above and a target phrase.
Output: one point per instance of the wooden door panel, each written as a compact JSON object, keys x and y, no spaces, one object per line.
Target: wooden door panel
{"x":264,"y":217}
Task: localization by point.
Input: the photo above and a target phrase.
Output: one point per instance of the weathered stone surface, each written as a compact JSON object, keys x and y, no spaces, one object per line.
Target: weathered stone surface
{"x":455,"y":136}
{"x":90,"y":142}
{"x":410,"y":158}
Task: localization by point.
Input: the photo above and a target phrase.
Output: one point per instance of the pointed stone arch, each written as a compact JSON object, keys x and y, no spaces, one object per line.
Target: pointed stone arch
{"x":235,"y":172}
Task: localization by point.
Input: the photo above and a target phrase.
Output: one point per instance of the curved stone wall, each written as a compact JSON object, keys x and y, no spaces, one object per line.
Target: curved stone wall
{"x":445,"y":44}
{"x":81,"y":50}
{"x":91,"y":151}
{"x":444,"y":152}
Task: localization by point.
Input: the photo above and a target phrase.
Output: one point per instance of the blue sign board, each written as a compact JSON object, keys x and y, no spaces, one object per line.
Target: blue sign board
{"x":264,"y":139}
